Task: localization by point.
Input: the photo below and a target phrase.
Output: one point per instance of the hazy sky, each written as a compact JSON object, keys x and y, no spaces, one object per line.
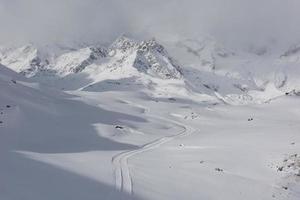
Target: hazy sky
{"x":232,"y":21}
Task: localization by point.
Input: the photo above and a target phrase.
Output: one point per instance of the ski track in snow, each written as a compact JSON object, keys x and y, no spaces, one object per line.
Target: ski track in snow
{"x":123,"y":179}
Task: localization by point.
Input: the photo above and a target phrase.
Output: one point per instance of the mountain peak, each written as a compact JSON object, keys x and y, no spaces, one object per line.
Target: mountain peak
{"x":123,"y":43}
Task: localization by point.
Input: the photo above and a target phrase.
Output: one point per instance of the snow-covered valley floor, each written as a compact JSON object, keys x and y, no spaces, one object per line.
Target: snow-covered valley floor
{"x":123,"y":145}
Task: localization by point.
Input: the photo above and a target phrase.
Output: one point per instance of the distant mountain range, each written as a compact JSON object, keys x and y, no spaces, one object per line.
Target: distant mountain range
{"x":193,"y":66}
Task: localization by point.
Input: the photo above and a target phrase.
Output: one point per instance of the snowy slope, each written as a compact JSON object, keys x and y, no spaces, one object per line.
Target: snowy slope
{"x":236,"y":78}
{"x":40,"y":121}
{"x":45,"y":133}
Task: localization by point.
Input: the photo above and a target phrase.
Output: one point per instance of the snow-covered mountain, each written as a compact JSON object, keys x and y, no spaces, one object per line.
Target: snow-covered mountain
{"x":192,"y":66}
{"x":147,"y":56}
{"x":25,"y":59}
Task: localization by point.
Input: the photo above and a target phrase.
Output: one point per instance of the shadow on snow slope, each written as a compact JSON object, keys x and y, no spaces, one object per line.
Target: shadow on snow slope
{"x":70,"y":130}
{"x":32,"y":180}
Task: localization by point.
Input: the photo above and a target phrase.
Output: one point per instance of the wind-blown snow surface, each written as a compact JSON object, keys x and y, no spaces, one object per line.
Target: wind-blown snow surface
{"x":135,"y":123}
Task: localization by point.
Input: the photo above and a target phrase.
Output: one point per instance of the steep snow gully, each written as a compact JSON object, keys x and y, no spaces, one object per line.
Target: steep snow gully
{"x":123,"y":178}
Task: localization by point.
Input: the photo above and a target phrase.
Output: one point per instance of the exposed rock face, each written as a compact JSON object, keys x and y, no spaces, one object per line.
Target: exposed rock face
{"x":154,"y":59}
{"x":76,"y":61}
{"x":149,"y":57}
{"x":123,"y":44}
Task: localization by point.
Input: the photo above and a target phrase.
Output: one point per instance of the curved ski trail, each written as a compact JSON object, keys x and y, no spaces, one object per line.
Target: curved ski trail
{"x":123,"y":179}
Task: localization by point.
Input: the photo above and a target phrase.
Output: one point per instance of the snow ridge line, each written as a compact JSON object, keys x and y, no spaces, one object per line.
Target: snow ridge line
{"x":123,"y":179}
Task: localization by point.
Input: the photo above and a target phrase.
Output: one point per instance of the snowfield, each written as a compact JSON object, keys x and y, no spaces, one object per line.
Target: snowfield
{"x":153,"y":120}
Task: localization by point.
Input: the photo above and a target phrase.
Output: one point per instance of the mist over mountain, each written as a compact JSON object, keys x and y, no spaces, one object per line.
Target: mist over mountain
{"x":238,"y":23}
